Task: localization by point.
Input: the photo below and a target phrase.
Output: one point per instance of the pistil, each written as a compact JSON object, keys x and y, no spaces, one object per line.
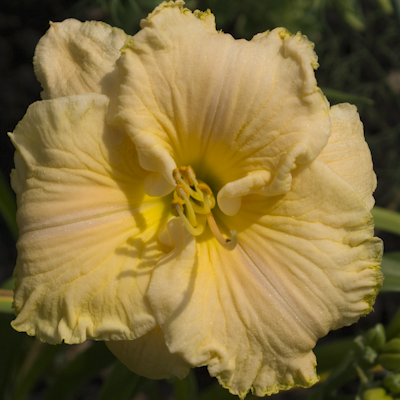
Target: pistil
{"x":193,"y":202}
{"x":228,"y":243}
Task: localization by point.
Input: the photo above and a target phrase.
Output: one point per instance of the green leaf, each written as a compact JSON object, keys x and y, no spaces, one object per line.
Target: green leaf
{"x":8,"y":208}
{"x":8,"y":284}
{"x":37,"y":360}
{"x":342,"y":373}
{"x":386,"y":6}
{"x":330,"y":354}
{"x":121,"y":384}
{"x":186,"y":388}
{"x":217,"y":392}
{"x":352,"y":13}
{"x":6,"y":300}
{"x":391,"y":269}
{"x":396,"y":6}
{"x":386,"y":220}
{"x":11,"y":341}
{"x":393,"y":329}
{"x":336,"y":95}
{"x":82,"y":368}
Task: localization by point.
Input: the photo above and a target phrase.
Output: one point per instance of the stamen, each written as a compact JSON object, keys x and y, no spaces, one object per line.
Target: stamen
{"x":209,"y":194}
{"x":192,"y":177}
{"x":176,"y":204}
{"x":188,"y":175}
{"x":199,"y":200}
{"x":194,"y":231}
{"x":178,"y":179}
{"x":198,"y":209}
{"x":229,"y":243}
{"x":204,"y":188}
{"x":190,"y":212}
{"x":184,"y":171}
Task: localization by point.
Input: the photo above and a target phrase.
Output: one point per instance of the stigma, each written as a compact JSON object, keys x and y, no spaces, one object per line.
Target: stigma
{"x":193,"y":202}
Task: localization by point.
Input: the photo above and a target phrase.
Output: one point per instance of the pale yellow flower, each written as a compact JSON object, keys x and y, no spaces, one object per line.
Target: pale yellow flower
{"x":274,"y":244}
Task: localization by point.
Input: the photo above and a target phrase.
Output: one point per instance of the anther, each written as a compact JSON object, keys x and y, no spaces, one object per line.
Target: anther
{"x":188,"y":174}
{"x":182,"y":192}
{"x":184,"y":171}
{"x":177,"y":205}
{"x":204,"y":188}
{"x":179,"y":180}
{"x":191,"y":176}
{"x":193,"y":202}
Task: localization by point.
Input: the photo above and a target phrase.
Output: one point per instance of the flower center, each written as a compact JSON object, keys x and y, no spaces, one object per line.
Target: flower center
{"x":193,"y":202}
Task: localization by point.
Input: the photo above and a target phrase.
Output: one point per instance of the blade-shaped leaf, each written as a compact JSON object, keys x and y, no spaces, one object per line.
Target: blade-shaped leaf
{"x":391,"y":269}
{"x":393,"y":329}
{"x":8,"y":207}
{"x":217,"y":392}
{"x":37,"y":361}
{"x":330,"y":354}
{"x":6,"y":300}
{"x":8,"y":284}
{"x":336,"y":95}
{"x":396,"y":6}
{"x":10,"y":342}
{"x":386,"y":219}
{"x":121,"y":384}
{"x":386,"y":6}
{"x":186,"y":388}
{"x":81,"y":369}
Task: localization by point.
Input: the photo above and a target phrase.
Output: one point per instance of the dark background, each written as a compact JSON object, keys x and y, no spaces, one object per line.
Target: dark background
{"x":359,"y":55}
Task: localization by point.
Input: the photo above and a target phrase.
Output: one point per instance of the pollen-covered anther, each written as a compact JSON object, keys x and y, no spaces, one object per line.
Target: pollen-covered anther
{"x":188,"y":174}
{"x":182,"y":192}
{"x":181,"y":178}
{"x":205,"y":188}
{"x":177,"y":205}
{"x":193,"y":202}
{"x":191,"y":176}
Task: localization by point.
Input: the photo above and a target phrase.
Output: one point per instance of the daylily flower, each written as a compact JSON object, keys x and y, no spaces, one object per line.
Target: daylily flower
{"x":192,"y":200}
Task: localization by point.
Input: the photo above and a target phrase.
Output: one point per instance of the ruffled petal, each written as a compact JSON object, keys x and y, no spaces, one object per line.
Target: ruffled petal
{"x":148,"y":356}
{"x":88,"y":232}
{"x":348,"y":154}
{"x":306,"y":263}
{"x":78,"y":58}
{"x":192,"y":95}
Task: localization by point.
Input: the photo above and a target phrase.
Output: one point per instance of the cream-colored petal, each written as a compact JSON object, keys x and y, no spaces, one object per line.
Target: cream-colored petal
{"x":78,"y":58}
{"x":88,"y":232}
{"x":148,"y":356}
{"x":192,"y":95}
{"x":306,"y":262}
{"x":347,"y":153}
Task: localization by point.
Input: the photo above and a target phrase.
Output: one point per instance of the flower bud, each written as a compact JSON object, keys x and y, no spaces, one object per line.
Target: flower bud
{"x":390,"y":361}
{"x":376,"y":337}
{"x":392,"y":383}
{"x":390,"y":355}
{"x":376,"y":394}
{"x":369,"y":354}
